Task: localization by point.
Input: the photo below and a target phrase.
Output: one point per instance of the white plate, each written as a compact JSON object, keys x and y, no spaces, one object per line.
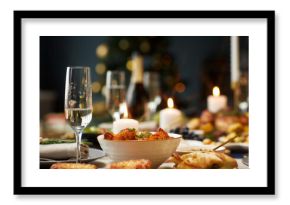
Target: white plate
{"x":190,"y":145}
{"x":93,"y":155}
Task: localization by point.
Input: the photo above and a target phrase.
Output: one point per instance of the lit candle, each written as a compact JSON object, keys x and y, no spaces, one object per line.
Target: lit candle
{"x":124,"y":123}
{"x":170,"y":117}
{"x":216,"y":102}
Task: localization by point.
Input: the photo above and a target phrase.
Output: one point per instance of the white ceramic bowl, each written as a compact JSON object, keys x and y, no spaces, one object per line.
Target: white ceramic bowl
{"x":156,"y":151}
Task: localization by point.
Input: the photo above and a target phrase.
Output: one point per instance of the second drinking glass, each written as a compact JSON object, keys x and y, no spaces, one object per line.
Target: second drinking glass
{"x":116,"y":93}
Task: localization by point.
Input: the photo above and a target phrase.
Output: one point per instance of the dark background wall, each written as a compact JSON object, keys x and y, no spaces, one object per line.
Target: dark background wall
{"x":202,"y":62}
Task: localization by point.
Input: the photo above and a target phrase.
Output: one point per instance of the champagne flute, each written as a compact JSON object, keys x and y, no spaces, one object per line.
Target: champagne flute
{"x":152,"y":86}
{"x":115,"y":96}
{"x":78,"y":101}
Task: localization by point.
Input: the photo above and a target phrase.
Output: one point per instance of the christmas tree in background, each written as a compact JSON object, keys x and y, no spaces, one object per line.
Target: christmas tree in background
{"x":116,"y":54}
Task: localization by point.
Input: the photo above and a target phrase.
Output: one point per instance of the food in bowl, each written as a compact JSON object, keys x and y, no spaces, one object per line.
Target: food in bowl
{"x":203,"y":160}
{"x":132,"y":134}
{"x":131,"y":144}
{"x":131,"y":164}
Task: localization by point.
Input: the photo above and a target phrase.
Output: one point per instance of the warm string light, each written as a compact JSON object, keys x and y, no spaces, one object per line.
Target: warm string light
{"x":124,"y":44}
{"x":145,"y":46}
{"x":102,"y":50}
{"x":100,"y":68}
{"x":179,"y":87}
{"x":96,"y":87}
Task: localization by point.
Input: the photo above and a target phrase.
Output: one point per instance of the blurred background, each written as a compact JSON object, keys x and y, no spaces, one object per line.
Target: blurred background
{"x":187,"y":68}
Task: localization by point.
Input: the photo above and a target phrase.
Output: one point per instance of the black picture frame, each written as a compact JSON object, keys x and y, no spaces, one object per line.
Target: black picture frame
{"x":19,"y":189}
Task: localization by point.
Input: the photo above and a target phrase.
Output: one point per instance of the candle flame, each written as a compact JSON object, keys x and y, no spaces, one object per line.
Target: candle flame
{"x":125,"y":111}
{"x":170,"y":103}
{"x":216,"y":91}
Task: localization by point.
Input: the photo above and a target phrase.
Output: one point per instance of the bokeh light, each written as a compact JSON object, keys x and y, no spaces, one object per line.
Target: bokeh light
{"x":145,"y":47}
{"x":100,"y":68}
{"x":124,"y":44}
{"x":179,"y":87}
{"x":96,"y":87}
{"x":129,"y":65}
{"x":102,"y":50}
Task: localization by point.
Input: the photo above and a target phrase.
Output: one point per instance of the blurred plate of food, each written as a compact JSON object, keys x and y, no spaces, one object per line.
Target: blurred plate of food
{"x":214,"y":129}
{"x":239,"y":143}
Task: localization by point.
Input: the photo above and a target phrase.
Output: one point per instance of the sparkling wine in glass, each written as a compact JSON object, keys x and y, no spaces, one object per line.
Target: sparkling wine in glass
{"x":116,"y":93}
{"x":152,"y":86}
{"x":78,"y":101}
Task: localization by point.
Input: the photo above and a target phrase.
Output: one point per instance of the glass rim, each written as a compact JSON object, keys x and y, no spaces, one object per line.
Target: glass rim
{"x":78,"y":67}
{"x":115,"y":71}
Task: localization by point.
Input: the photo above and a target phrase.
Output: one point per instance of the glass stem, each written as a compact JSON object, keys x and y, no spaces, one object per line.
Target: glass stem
{"x":78,"y":141}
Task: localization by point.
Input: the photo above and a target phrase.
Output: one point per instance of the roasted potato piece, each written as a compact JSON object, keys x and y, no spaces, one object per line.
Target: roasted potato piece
{"x":159,"y":135}
{"x":228,"y":162}
{"x":235,"y":127}
{"x":207,"y":127}
{"x":206,"y":117}
{"x":131,"y":164}
{"x":73,"y":166}
{"x":193,"y":124}
{"x":126,"y":134}
{"x":109,"y":136}
{"x":207,"y":141}
{"x":222,"y":123}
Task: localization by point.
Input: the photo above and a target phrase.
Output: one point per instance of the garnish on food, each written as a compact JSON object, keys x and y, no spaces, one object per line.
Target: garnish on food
{"x":132,"y":134}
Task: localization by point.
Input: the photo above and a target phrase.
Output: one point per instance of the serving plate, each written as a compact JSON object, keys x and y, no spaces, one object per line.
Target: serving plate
{"x":195,"y":145}
{"x":93,"y":155}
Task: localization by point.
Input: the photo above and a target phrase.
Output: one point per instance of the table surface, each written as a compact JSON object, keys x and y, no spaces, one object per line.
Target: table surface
{"x":103,"y":161}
